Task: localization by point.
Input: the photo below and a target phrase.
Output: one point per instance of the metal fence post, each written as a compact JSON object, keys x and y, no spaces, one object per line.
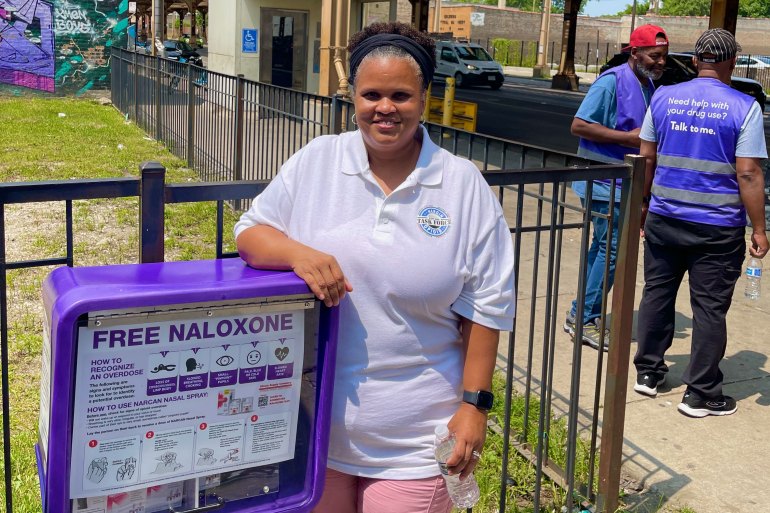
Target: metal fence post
{"x":190,"y":116}
{"x":152,"y":212}
{"x":4,"y":359}
{"x":136,"y":88}
{"x":335,"y":117}
{"x":115,"y":81}
{"x":620,"y":332}
{"x":238,"y":149}
{"x":158,"y":92}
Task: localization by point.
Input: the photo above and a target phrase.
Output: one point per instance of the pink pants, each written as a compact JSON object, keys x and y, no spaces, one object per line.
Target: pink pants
{"x":344,"y":493}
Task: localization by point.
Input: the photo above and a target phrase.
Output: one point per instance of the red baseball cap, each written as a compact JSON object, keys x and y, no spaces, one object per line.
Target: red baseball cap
{"x":646,"y":35}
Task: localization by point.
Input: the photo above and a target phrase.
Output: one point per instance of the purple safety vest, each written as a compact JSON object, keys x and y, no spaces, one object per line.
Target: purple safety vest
{"x":697,"y":124}
{"x":631,"y":106}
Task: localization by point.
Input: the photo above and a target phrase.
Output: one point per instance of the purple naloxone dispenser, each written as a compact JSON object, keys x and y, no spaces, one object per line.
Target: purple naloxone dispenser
{"x":184,"y":386}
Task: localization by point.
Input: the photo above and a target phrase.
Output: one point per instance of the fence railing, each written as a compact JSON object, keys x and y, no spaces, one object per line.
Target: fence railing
{"x":230,"y":128}
{"x":534,"y":202}
{"x":537,"y":204}
{"x":747,"y":68}
{"x":225,"y":127}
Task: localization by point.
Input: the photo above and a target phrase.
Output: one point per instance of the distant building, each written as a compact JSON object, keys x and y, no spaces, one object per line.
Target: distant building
{"x":287,"y":48}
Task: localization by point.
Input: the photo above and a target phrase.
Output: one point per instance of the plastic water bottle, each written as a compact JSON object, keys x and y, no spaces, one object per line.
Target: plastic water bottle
{"x":753,"y":277}
{"x":465,"y":493}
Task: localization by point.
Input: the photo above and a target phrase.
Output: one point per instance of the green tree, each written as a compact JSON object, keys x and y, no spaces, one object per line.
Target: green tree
{"x":524,"y":5}
{"x":686,"y":8}
{"x":641,"y":9}
{"x":747,"y":8}
{"x":557,"y":6}
{"x":754,"y":8}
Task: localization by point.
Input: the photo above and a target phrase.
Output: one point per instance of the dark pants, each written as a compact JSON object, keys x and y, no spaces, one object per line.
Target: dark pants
{"x":713,"y":257}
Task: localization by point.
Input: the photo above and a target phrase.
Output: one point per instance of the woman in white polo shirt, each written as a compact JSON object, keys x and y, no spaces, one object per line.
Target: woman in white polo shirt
{"x":412,"y":245}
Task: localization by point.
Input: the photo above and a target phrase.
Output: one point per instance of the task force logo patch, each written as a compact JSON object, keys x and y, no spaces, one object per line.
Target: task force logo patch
{"x":433,"y":221}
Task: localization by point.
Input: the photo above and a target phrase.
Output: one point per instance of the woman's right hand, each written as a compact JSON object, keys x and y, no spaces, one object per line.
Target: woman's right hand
{"x":265,"y":247}
{"x":322,"y":274}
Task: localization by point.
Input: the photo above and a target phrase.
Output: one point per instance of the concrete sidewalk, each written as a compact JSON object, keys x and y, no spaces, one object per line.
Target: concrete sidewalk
{"x":524,"y":75}
{"x":712,"y":465}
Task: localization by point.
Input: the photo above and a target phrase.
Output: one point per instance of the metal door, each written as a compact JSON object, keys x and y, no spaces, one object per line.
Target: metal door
{"x":283,"y":43}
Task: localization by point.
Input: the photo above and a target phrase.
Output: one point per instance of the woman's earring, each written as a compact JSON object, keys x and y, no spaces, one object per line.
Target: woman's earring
{"x":353,"y":120}
{"x":422,"y":118}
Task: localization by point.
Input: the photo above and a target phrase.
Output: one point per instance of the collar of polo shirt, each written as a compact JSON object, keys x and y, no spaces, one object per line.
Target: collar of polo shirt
{"x":428,"y":171}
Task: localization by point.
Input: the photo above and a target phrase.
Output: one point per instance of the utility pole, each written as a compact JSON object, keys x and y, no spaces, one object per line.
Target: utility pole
{"x":633,"y":17}
{"x":566,"y":78}
{"x":436,"y":16}
{"x":542,"y":68}
{"x":158,"y":23}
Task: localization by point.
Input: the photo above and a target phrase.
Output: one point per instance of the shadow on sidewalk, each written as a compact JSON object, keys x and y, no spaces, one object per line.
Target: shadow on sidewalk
{"x":744,"y":373}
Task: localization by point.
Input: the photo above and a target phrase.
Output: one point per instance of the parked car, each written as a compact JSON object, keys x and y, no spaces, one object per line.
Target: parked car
{"x":181,"y":51}
{"x":679,"y":68}
{"x":468,"y":63}
{"x":143,"y":47}
{"x":753,"y":61}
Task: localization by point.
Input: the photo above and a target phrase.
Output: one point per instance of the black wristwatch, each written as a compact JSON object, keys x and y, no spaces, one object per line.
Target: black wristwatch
{"x":481,"y":399}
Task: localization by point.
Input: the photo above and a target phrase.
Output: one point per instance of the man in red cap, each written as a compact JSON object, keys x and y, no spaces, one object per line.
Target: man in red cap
{"x":608,"y":123}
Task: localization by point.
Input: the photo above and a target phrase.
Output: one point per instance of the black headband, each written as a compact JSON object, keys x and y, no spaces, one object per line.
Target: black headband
{"x":420,"y":54}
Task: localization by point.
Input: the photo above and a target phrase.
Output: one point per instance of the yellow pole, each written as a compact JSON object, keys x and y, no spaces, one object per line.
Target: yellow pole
{"x":426,"y":111}
{"x":449,"y":98}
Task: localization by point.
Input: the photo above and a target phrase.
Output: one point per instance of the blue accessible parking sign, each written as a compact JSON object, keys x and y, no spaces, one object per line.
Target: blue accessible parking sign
{"x":249,"y":41}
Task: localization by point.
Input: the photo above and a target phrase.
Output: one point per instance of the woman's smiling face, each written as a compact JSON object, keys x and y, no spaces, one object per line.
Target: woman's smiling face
{"x":389,"y":101}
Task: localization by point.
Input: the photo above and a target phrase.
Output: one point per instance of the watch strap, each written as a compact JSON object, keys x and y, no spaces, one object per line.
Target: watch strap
{"x":481,"y":399}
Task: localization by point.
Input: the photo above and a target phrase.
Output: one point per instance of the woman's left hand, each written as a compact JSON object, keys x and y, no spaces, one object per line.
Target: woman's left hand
{"x":469,"y":425}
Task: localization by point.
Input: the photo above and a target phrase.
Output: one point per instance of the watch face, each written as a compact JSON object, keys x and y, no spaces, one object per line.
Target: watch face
{"x":485,"y":400}
{"x":482,"y":399}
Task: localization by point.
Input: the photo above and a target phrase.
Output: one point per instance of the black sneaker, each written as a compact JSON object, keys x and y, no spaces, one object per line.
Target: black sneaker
{"x":693,"y":405}
{"x":648,"y":383}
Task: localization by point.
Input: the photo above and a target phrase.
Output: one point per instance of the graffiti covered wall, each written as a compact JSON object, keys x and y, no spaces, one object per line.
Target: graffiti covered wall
{"x":59,"y":46}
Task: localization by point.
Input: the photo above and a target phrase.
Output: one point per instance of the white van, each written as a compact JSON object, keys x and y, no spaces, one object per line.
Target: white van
{"x":468,"y":64}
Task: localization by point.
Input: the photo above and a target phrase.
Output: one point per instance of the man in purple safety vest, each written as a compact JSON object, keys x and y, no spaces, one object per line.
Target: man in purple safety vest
{"x":608,"y":123}
{"x":703,"y":142}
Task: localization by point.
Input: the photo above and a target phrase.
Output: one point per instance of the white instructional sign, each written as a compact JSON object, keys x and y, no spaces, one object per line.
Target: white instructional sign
{"x":160,"y":402}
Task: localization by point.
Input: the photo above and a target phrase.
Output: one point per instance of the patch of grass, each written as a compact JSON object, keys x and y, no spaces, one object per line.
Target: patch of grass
{"x":520,"y":488}
{"x":89,"y":141}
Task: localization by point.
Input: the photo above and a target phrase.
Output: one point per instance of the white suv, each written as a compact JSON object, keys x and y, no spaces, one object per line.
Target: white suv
{"x":468,"y":64}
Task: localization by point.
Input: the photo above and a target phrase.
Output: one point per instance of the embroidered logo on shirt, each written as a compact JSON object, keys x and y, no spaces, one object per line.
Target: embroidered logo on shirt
{"x":433,"y":221}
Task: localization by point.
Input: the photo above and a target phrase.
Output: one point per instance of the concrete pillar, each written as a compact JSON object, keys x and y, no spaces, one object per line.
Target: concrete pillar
{"x":566,"y":78}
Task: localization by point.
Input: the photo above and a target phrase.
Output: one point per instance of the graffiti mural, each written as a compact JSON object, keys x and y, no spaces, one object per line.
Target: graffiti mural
{"x":59,"y":46}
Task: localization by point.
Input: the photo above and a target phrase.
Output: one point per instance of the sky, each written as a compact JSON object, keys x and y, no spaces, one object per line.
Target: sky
{"x":601,"y":7}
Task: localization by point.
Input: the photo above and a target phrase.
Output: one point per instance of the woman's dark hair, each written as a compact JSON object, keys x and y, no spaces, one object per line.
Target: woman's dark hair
{"x":394,"y":27}
{"x":421,"y":49}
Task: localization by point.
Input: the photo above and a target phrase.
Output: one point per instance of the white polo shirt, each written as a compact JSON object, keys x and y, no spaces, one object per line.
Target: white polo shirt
{"x":437,"y":248}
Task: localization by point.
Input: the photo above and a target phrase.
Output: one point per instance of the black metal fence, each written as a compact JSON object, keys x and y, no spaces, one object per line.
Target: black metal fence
{"x":535,"y":204}
{"x":225,"y":127}
{"x":589,"y":56}
{"x":756,"y":67}
{"x":228,"y":127}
